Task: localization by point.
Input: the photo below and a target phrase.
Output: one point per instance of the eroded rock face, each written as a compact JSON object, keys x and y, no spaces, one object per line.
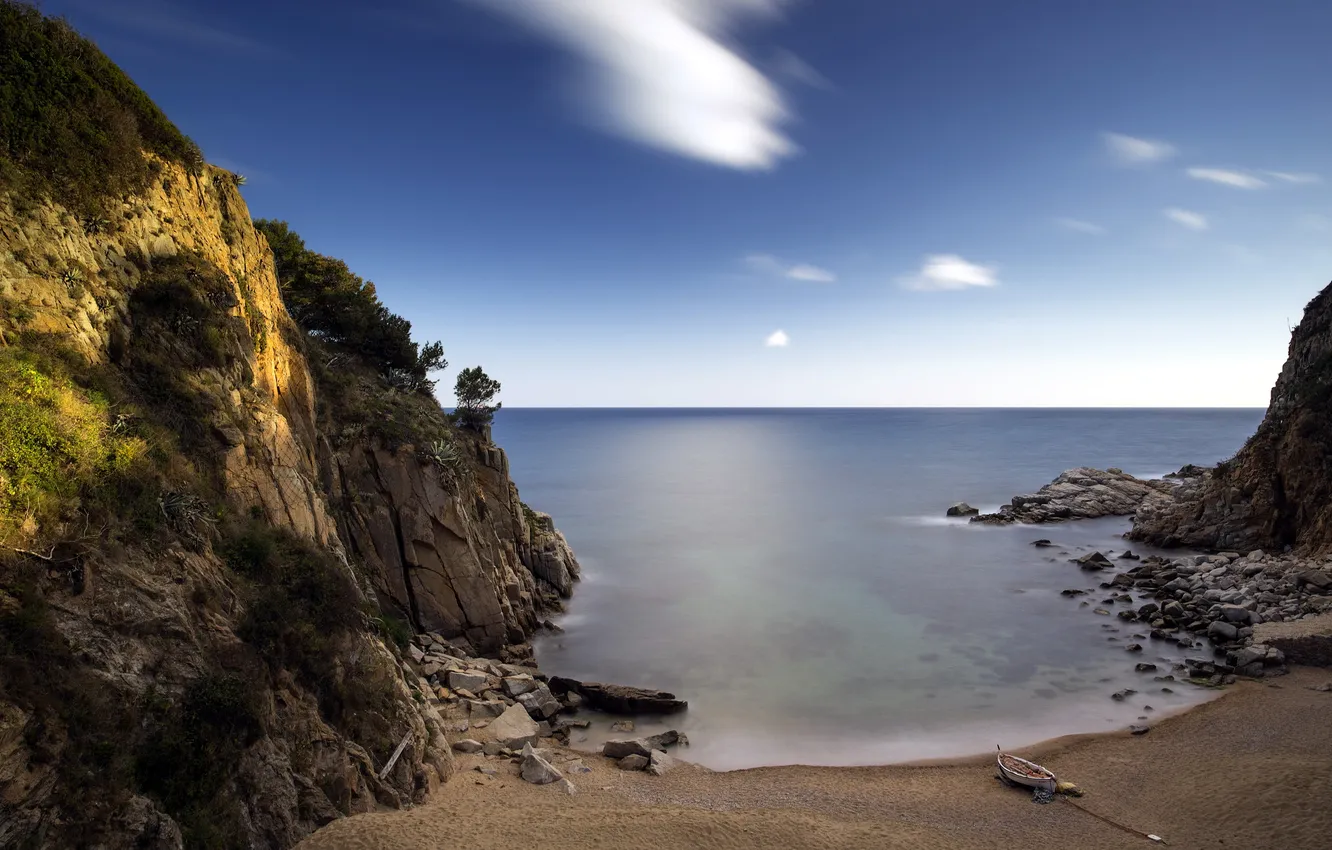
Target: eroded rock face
{"x":1081,"y":493}
{"x":1277,"y":491}
{"x":460,"y":557}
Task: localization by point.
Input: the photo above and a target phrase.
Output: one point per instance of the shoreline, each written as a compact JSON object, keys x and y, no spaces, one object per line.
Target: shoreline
{"x":1241,"y":769}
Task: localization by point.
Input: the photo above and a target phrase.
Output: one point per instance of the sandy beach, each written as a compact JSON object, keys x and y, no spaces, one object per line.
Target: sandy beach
{"x":1251,"y":769}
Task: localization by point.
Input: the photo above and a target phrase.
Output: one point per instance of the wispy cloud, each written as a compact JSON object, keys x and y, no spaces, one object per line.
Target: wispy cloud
{"x":768,"y":264}
{"x":949,"y":272}
{"x":1302,"y":178}
{"x":1077,"y":225}
{"x":1187,"y":218}
{"x":787,"y":65}
{"x":166,"y":21}
{"x":1238,"y":179}
{"x":1130,"y":150}
{"x":664,"y":74}
{"x":777,"y":339}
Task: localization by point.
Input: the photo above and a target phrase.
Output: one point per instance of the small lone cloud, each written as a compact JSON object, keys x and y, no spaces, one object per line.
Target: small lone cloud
{"x":1077,"y":225}
{"x":1130,"y":150}
{"x":1302,"y":178}
{"x":942,"y":272}
{"x":1187,"y":218}
{"x":768,"y":264}
{"x":1238,"y":179}
{"x":777,"y":339}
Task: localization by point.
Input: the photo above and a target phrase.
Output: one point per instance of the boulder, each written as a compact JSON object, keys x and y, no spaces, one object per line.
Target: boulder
{"x":1222,"y":632}
{"x":633,"y":747}
{"x":537,"y":770}
{"x":467,"y":680}
{"x":1042,"y":543}
{"x":467,"y":745}
{"x":619,"y":699}
{"x":514,"y":728}
{"x":1093,"y":561}
{"x":482,"y":709}
{"x":1314,"y":578}
{"x":633,"y":762}
{"x":516,"y":686}
{"x":962,"y":509}
{"x":622,"y":726}
{"x":659,"y":762}
{"x":1145,"y":667}
{"x":540,"y":702}
{"x":665,"y":739}
{"x":1235,"y":614}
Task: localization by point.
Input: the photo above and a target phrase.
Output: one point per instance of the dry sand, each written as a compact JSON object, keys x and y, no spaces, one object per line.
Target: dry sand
{"x":1250,"y":770}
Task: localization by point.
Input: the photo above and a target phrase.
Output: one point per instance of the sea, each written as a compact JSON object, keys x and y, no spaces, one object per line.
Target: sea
{"x":792,"y":575}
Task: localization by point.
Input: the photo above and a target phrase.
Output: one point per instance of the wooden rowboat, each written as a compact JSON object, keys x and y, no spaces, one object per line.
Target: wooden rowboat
{"x":1023,"y":772}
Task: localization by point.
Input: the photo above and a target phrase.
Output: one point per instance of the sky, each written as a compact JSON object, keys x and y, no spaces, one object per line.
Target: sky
{"x":784,"y":203}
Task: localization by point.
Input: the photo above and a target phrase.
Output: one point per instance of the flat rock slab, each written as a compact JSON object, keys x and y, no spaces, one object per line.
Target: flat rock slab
{"x":619,"y":699}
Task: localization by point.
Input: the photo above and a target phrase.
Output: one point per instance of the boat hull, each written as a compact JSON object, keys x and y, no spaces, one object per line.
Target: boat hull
{"x":1047,"y":782}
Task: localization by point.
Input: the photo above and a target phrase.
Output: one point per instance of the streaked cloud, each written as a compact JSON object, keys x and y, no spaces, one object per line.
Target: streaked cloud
{"x":789,"y":66}
{"x":950,"y":272}
{"x":1238,"y":179}
{"x":1302,"y":178}
{"x":664,"y":75}
{"x":1131,"y":150}
{"x":1187,"y":218}
{"x":768,"y":264}
{"x":1077,"y":225}
{"x":777,"y":339}
{"x":166,"y":22}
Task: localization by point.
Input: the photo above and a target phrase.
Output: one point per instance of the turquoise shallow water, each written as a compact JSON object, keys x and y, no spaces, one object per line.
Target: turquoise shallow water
{"x":791,"y":574}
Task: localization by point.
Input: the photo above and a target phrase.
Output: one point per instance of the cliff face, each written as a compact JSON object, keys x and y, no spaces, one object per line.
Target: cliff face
{"x":1277,"y":491}
{"x":198,"y":691}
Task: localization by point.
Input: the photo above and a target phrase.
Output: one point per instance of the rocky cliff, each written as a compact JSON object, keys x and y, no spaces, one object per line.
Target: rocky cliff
{"x":1277,"y":491}
{"x":209,"y":565}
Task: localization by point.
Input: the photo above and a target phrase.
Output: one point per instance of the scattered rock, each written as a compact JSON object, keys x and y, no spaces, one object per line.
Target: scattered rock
{"x":1072,"y":591}
{"x":1145,"y":667}
{"x":1133,"y":647}
{"x":1093,"y":561}
{"x":1222,"y":632}
{"x":1139,"y":730}
{"x":1042,"y":543}
{"x":1120,"y":696}
{"x":633,"y":762}
{"x":622,"y":726}
{"x":619,"y":749}
{"x":536,"y":769}
{"x":468,"y":680}
{"x":660,"y":762}
{"x":516,"y":686}
{"x":540,"y":702}
{"x":962,"y":509}
{"x":467,"y":745}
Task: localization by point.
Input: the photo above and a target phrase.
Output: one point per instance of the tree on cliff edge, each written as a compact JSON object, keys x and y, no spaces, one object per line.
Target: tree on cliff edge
{"x":475,"y":390}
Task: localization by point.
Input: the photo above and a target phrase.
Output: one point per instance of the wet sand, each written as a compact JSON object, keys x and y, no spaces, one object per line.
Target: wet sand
{"x":1252,"y":769}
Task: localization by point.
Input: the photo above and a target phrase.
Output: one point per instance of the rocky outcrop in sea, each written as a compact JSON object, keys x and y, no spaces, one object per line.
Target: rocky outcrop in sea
{"x":1082,"y":493}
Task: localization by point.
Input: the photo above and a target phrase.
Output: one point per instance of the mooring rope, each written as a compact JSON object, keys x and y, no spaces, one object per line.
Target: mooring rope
{"x":1153,"y":838}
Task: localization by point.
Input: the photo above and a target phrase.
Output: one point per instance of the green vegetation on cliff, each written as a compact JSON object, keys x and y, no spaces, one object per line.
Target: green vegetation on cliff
{"x":73,"y":126}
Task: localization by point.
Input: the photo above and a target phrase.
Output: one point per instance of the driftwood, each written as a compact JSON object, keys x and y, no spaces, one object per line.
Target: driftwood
{"x":396,"y":753}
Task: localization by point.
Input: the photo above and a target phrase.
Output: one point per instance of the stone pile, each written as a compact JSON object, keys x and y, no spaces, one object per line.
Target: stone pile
{"x":514,"y":709}
{"x":1218,"y":600}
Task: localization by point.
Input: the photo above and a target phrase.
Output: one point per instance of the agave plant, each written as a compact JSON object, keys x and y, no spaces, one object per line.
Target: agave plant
{"x":239,"y":178}
{"x":94,"y":224}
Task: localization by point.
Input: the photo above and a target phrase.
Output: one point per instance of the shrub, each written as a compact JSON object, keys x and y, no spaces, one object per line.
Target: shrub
{"x":73,"y":126}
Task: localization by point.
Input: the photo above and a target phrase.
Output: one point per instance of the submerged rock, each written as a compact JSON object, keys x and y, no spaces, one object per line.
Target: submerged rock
{"x":619,"y":699}
{"x":962,"y":509}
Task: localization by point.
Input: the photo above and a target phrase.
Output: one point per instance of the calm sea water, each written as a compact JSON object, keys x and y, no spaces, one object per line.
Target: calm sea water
{"x":790,"y":572}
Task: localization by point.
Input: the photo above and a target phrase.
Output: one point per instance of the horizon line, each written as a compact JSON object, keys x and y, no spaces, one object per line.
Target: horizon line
{"x":875,"y":407}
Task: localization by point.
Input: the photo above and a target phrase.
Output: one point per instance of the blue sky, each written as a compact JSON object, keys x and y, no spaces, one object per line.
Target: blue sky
{"x":758,"y":202}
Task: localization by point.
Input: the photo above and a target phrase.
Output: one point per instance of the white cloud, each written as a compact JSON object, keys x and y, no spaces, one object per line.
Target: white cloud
{"x":949,"y":271}
{"x":1080,"y":226}
{"x":1238,"y":179}
{"x":1303,"y":178}
{"x":1131,"y":150}
{"x":777,"y":339}
{"x":1191,"y":220}
{"x":814,"y":274}
{"x":664,"y":74}
{"x":768,"y":264}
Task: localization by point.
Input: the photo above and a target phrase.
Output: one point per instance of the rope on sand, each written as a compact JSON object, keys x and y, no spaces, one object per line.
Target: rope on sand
{"x":1150,"y":837}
